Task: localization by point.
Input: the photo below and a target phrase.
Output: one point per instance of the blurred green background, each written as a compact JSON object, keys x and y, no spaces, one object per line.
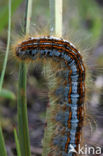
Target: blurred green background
{"x":83,"y":26}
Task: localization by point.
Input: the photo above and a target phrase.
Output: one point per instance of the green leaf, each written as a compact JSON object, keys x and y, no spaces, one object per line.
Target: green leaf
{"x":23,"y":129}
{"x":17,"y":143}
{"x":8,"y":45}
{"x":7,"y":94}
{"x":2,"y":145}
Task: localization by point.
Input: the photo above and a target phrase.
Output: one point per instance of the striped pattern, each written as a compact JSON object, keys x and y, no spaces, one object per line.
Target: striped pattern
{"x":73,"y":91}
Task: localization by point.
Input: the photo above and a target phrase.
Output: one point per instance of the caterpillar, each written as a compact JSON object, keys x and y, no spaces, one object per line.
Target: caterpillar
{"x":68,"y":113}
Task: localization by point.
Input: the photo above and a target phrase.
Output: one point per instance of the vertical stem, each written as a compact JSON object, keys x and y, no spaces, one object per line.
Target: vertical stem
{"x":55,"y":29}
{"x":28,"y":16}
{"x":56,"y":17}
{"x":22,"y":112}
{"x":2,"y":144}
{"x":7,"y":49}
{"x":22,"y":102}
{"x":17,"y":143}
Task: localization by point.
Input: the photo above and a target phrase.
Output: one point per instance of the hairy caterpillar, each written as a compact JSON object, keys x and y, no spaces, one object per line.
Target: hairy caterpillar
{"x":70,"y":91}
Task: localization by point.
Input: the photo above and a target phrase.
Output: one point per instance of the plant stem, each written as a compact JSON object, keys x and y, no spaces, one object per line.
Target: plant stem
{"x":2,"y":145}
{"x":22,"y":112}
{"x":56,"y":17}
{"x":17,"y":143}
{"x":55,"y":29}
{"x":28,"y":16}
{"x":7,"y":49}
{"x":22,"y":102}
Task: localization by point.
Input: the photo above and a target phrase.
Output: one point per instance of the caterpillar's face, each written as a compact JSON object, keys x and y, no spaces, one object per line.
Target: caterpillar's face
{"x":20,"y":53}
{"x":24,"y":52}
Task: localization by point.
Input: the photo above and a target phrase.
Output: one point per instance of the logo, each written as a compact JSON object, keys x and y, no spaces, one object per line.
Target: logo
{"x":72,"y":149}
{"x":85,"y":150}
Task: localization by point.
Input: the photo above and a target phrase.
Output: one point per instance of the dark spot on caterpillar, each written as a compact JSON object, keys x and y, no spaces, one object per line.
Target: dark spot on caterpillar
{"x":30,"y":52}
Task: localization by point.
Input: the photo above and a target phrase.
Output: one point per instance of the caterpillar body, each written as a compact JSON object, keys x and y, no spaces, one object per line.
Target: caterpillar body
{"x":71,"y":92}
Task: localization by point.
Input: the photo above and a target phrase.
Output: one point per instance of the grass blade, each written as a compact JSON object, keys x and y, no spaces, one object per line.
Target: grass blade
{"x":2,"y":144}
{"x":22,"y":104}
{"x":55,"y":29}
{"x":17,"y":143}
{"x":8,"y":45}
{"x":22,"y":112}
{"x":28,"y":16}
{"x":56,"y":17}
